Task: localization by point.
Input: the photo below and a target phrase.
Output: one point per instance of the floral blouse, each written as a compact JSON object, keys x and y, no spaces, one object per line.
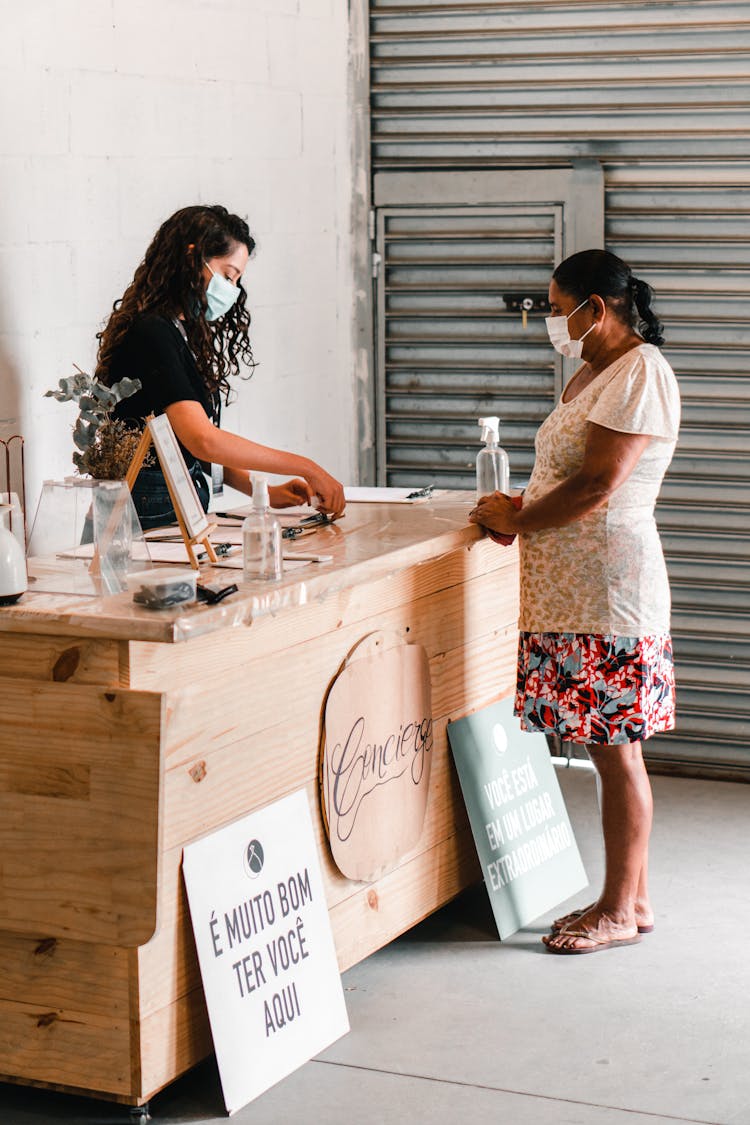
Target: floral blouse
{"x":604,"y":573}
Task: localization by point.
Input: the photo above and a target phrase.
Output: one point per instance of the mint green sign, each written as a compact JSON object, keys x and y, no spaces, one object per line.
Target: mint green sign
{"x":530,"y":860}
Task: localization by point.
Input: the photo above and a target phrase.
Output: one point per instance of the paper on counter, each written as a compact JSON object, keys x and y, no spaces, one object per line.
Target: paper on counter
{"x":356,"y":494}
{"x":235,"y":563}
{"x":353,"y":494}
{"x":175,"y":552}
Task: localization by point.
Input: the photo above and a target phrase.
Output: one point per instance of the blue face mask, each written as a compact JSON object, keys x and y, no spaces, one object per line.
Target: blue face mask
{"x":220,"y":295}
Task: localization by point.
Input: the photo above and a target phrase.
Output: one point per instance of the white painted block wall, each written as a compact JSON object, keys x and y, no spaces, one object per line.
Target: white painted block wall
{"x":117,"y":112}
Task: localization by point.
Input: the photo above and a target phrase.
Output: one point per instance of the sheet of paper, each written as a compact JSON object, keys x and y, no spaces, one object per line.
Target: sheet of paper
{"x":84,"y":552}
{"x":229,"y":536}
{"x":165,"y":546}
{"x":168,"y":552}
{"x":235,"y":563}
{"x":356,"y":494}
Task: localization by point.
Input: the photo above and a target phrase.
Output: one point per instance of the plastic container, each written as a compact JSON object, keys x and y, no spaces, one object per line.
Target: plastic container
{"x":163,"y":588}
{"x":77,"y":519}
{"x":261,"y":537}
{"x":493,"y":472}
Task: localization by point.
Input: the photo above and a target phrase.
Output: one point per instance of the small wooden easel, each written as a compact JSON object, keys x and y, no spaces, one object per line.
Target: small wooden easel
{"x":136,"y":464}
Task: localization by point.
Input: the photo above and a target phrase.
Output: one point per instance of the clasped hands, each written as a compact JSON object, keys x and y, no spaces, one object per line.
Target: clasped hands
{"x":496,"y":514}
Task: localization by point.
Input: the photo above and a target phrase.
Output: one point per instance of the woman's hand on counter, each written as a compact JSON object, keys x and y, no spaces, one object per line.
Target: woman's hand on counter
{"x":329,"y":491}
{"x":290,"y":494}
{"x":498,"y":515}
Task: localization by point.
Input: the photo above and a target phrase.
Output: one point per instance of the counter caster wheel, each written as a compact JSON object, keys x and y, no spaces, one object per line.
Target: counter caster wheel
{"x":139,"y":1114}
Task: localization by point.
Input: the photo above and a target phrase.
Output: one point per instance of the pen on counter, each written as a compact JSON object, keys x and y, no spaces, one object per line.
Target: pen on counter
{"x":221,"y":550}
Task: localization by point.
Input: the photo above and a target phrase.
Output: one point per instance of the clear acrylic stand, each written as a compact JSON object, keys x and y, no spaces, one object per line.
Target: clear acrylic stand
{"x":86,"y":538}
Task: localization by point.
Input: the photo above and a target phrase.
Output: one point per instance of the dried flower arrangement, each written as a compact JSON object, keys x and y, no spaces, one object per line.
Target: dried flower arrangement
{"x":105,"y":445}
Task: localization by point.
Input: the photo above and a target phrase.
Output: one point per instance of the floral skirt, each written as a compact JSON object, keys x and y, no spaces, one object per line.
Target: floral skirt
{"x":595,"y":689}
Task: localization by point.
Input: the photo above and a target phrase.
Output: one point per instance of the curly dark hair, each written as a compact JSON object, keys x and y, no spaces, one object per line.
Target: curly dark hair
{"x":169,"y":281}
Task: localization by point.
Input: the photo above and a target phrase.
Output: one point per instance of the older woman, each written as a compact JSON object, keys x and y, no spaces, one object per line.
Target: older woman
{"x":595,"y":655}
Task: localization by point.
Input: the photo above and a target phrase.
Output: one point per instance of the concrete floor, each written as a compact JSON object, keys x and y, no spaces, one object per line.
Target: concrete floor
{"x":448,"y":1025}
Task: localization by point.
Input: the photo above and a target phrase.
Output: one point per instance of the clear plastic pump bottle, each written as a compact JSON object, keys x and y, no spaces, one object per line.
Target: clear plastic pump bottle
{"x":493,"y":473}
{"x":261,"y":537}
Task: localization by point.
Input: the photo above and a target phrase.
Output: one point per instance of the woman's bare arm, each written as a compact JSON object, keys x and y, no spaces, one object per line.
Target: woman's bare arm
{"x":609,"y":459}
{"x":209,"y":443}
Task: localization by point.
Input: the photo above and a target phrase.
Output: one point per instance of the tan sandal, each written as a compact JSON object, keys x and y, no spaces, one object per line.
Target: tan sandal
{"x":599,"y":944}
{"x":561,"y":923}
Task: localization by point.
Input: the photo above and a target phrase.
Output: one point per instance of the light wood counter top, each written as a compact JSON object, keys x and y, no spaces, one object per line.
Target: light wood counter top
{"x":371,"y":541}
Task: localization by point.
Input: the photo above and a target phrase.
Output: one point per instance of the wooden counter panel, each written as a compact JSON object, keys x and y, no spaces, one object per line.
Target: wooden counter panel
{"x":168,"y":966}
{"x":258,"y":770}
{"x":59,"y":974}
{"x":67,"y":1047}
{"x":63,"y":659}
{"x":73,"y":1026}
{"x":445,"y":816}
{"x":482,"y":672}
{"x":375,"y":915}
{"x":224,"y":782}
{"x":173,"y":1039}
{"x":159,"y":667}
{"x":227,"y":704}
{"x":80,"y":780}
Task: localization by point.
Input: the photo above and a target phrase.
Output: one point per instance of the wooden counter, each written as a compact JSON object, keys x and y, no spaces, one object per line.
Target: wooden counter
{"x":126,"y":733}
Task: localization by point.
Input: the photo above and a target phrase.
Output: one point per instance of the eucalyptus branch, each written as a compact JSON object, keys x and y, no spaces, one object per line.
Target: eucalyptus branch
{"x":103,"y":443}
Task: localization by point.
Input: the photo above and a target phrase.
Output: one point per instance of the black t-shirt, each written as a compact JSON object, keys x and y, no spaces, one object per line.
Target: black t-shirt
{"x":155,"y":352}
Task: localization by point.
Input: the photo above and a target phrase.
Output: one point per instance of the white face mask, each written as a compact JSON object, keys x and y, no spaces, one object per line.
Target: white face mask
{"x":557,"y":329}
{"x":221,"y":294}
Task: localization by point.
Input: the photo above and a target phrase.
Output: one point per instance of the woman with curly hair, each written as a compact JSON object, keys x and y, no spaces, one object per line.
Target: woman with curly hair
{"x":181,"y":328}
{"x":595,"y":654}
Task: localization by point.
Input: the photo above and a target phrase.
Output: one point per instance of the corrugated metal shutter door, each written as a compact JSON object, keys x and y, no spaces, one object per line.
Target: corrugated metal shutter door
{"x":658,"y":93}
{"x":470,"y":84}
{"x":690,"y":237}
{"x":451,"y":352}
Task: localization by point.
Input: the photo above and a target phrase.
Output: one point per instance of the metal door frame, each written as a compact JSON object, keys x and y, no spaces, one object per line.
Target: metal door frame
{"x":576,"y":195}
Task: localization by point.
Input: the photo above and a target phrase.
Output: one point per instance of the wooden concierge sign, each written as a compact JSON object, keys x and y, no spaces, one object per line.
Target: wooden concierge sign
{"x":377,"y":756}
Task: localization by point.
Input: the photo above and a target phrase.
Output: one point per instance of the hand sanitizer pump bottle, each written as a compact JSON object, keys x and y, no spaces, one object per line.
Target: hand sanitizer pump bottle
{"x":493,"y":474}
{"x":261,"y":537}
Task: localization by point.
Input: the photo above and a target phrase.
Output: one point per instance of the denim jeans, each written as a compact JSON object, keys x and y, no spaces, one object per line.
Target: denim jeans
{"x":152,"y":501}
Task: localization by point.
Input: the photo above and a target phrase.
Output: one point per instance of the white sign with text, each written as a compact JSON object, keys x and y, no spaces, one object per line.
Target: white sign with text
{"x":265,"y":947}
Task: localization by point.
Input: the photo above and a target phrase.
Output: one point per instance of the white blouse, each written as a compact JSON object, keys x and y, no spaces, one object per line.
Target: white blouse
{"x":604,"y":573}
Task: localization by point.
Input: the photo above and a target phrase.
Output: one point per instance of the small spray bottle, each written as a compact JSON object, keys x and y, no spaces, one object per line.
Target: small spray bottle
{"x":261,"y":537}
{"x":493,"y":474}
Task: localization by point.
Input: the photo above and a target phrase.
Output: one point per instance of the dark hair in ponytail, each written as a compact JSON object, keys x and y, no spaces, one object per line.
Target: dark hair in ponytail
{"x":603,"y":273}
{"x":649,"y":325}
